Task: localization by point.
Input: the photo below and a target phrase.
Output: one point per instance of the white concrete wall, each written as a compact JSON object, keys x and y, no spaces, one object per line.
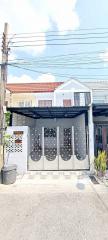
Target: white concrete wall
{"x":60,"y":96}
{"x":15,"y":157}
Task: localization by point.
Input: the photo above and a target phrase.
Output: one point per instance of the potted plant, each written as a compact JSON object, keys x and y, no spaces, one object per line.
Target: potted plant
{"x":100,"y":163}
{"x":8,"y":172}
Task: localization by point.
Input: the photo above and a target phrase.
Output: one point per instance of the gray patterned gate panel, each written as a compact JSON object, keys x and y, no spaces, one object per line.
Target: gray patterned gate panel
{"x":66,"y":143}
{"x":36,"y":144}
{"x":50,"y":143}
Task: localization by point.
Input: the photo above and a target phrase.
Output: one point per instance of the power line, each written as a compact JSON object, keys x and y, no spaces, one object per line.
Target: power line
{"x":16,"y":66}
{"x":59,"y":75}
{"x":67,"y":62}
{"x":65,"y":30}
{"x":57,"y":60}
{"x":60,"y":63}
{"x":62,"y":67}
{"x":57,"y":39}
{"x":63,"y":55}
{"x":58,"y":35}
{"x":58,"y":44}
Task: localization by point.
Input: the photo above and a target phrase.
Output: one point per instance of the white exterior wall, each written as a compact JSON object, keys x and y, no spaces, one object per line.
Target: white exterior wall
{"x":61,"y":95}
{"x":67,"y":90}
{"x":100,"y":96}
{"x":15,"y":156}
{"x":99,"y":89}
{"x":45,"y":96}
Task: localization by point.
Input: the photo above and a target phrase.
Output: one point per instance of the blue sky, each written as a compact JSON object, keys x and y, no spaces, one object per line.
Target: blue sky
{"x":52,"y":15}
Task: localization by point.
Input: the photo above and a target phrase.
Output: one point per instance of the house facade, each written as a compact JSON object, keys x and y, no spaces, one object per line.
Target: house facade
{"x":59,"y":120}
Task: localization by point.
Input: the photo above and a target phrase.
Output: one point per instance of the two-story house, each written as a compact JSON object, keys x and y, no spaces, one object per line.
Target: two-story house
{"x":67,"y":121}
{"x":59,"y":117}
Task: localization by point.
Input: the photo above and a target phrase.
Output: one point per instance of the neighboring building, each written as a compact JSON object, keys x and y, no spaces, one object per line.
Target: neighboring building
{"x":61,"y":118}
{"x":100,"y":111}
{"x":99,"y":91}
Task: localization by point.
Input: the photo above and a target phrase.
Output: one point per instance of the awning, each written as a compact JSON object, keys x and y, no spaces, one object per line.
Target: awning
{"x":49,"y":112}
{"x":100,"y":110}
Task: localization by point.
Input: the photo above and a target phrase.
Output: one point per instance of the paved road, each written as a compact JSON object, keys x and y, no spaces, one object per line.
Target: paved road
{"x":54,"y":212}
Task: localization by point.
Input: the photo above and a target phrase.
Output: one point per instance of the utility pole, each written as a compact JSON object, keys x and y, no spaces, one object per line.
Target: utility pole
{"x":3,"y":81}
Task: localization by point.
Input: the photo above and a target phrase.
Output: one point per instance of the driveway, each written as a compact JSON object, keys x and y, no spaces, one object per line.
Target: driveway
{"x":74,"y":209}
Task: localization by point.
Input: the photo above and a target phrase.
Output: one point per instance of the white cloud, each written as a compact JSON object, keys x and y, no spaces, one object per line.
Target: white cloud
{"x":38,"y":15}
{"x":63,"y":13}
{"x":27,"y":79}
{"x":46,"y":78}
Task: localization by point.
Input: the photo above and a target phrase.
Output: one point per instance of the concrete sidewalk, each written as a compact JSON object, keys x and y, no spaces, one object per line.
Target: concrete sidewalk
{"x":78,"y":181}
{"x":46,"y":206}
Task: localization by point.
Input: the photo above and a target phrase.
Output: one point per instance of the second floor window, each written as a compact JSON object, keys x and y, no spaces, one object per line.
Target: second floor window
{"x":44,"y":103}
{"x":28,"y":103}
{"x":25,"y":104}
{"x":77,"y":99}
{"x":21,"y":104}
{"x":87,"y":98}
{"x":67,"y":103}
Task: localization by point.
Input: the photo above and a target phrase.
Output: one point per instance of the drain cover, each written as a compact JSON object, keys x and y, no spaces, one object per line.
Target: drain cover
{"x":93,"y":179}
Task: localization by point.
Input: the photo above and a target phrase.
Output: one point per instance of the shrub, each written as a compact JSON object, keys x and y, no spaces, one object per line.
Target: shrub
{"x":101,"y":162}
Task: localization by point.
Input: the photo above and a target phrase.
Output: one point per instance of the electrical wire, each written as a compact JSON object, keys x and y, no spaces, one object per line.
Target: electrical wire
{"x":61,"y":35}
{"x":63,"y":55}
{"x":60,"y":66}
{"x":65,"y":30}
{"x":56,"y":74}
{"x":58,"y":44}
{"x":61,"y":63}
{"x":59,"y":39}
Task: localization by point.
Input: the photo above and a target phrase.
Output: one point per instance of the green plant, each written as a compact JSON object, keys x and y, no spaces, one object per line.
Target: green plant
{"x":6,"y":142}
{"x":7,"y":118}
{"x":6,"y":139}
{"x":100,"y":162}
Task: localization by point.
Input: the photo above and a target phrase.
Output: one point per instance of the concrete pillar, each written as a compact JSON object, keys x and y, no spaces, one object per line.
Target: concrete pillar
{"x":91,"y":138}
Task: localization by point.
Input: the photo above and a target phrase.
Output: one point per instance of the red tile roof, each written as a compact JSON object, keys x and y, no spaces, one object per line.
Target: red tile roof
{"x":33,"y":87}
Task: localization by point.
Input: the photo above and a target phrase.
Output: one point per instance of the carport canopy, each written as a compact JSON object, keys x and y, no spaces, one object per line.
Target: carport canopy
{"x":49,"y":112}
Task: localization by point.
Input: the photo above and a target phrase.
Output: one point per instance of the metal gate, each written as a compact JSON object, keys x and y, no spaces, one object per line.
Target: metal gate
{"x":58,"y":148}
